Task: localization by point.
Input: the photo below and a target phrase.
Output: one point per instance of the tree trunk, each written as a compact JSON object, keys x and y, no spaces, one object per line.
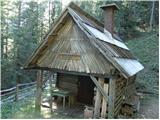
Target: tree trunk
{"x":152,"y":15}
{"x":38,"y":25}
{"x":41,"y":30}
{"x":2,"y":44}
{"x":2,"y":32}
{"x":49,"y":14}
{"x":17,"y":52}
{"x":6,"y":46}
{"x":6,"y":37}
{"x":53,"y":12}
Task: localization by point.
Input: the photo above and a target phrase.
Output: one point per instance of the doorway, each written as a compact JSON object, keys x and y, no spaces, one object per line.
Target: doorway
{"x":85,"y":90}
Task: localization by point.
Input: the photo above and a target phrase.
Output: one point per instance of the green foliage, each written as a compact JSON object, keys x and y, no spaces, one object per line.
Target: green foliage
{"x":145,"y":49}
{"x":23,"y":34}
{"x":58,"y":8}
{"x":6,"y":73}
{"x":132,"y":16}
{"x":25,"y":106}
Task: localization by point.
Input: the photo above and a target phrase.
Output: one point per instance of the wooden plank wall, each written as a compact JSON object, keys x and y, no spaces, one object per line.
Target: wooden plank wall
{"x":120,"y":91}
{"x":130,"y":87}
{"x":124,"y":89}
{"x":111,"y":99}
{"x":68,"y":82}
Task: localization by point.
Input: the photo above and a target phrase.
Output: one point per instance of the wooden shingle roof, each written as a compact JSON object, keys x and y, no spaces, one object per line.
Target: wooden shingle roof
{"x":113,"y":50}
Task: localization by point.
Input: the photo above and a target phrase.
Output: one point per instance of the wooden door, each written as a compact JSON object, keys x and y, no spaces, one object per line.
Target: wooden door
{"x":85,"y":90}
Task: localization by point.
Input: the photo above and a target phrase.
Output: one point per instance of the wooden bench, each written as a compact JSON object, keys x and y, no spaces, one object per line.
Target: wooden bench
{"x":62,"y":93}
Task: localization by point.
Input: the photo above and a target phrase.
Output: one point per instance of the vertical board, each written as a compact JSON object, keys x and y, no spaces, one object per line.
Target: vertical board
{"x":98,"y":100}
{"x":52,"y":84}
{"x":111,"y":100}
{"x":104,"y":102}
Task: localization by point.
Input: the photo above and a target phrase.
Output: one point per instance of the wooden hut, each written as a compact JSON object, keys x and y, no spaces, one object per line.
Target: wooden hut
{"x":86,"y":54}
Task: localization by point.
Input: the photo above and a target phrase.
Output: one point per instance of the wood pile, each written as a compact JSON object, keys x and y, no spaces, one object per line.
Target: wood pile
{"x":120,"y":91}
{"x":127,"y":110}
{"x":131,"y":106}
{"x":126,"y":101}
{"x":134,"y":102}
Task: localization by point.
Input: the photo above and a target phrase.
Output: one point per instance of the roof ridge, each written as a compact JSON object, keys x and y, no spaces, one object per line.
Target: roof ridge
{"x":80,"y":10}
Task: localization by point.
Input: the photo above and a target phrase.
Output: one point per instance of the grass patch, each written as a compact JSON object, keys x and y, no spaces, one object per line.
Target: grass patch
{"x":24,"y":109}
{"x":21,"y":109}
{"x":146,"y":49}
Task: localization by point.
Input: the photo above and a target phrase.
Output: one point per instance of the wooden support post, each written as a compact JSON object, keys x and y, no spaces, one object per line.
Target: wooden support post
{"x":39,"y":91}
{"x":104,"y":102}
{"x":50,"y":87}
{"x":112,"y":87}
{"x":64,"y":102}
{"x":98,"y":100}
{"x":16,"y":92}
{"x":17,"y":88}
{"x":72,"y":100}
{"x":55,"y":79}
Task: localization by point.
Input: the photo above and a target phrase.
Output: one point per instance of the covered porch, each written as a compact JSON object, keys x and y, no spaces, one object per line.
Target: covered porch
{"x":80,"y":89}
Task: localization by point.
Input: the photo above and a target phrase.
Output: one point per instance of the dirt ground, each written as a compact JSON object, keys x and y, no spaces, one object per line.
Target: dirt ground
{"x":149,"y":107}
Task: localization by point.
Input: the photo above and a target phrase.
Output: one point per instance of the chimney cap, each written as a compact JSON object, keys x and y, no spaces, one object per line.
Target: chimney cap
{"x":113,"y":5}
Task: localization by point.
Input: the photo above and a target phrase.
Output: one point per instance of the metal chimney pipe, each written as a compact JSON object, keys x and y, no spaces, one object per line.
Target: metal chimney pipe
{"x":109,"y":16}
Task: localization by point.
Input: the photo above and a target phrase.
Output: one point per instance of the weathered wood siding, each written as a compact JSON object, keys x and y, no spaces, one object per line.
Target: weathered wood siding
{"x":124,"y":89}
{"x":71,"y":50}
{"x":68,"y":82}
{"x":120,"y":91}
{"x":130,"y":87}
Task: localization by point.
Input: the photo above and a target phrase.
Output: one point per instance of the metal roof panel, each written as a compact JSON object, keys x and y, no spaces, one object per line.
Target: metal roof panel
{"x":129,"y":65}
{"x":107,"y":37}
